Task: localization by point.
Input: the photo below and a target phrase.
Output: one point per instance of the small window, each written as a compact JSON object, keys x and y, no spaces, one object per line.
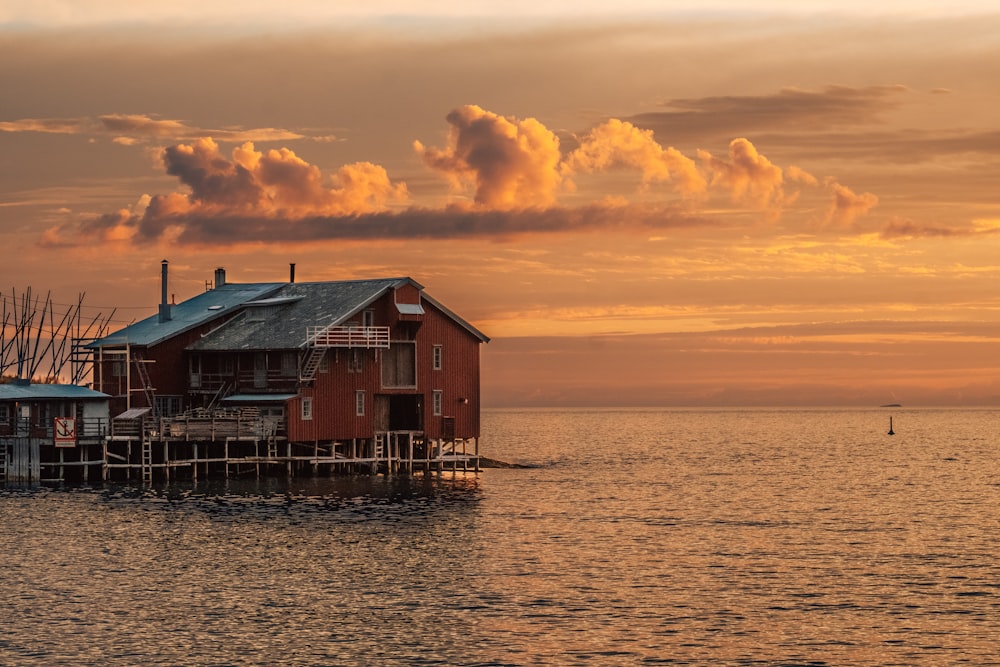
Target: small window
{"x":324,"y":363}
{"x":368,"y":318}
{"x":289,"y":364}
{"x":438,"y":356}
{"x":355,"y":360}
{"x":359,"y":403}
{"x":4,"y":414}
{"x":307,"y":408}
{"x":118,"y":369}
{"x":438,"y":400}
{"x":226,"y":365}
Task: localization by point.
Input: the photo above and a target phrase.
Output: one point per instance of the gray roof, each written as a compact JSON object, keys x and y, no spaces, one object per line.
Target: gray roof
{"x":191,"y":313}
{"x":31,"y":392}
{"x":293,"y":308}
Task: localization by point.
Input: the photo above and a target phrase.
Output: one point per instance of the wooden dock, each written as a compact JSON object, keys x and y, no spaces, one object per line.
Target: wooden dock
{"x":224,"y":444}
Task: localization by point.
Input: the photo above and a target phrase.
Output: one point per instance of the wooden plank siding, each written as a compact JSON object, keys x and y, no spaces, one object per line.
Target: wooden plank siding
{"x":398,"y":394}
{"x":333,"y":393}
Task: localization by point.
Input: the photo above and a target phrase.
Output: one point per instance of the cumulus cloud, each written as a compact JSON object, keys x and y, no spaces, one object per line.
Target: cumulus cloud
{"x":513,"y":169}
{"x":616,"y":143}
{"x":749,"y":177}
{"x":510,"y":163}
{"x":276,"y":186}
{"x":847,"y":206}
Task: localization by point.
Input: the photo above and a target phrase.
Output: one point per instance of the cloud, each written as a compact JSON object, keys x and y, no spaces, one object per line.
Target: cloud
{"x":276,"y":182}
{"x":45,"y":125}
{"x":617,"y":143}
{"x":903,"y":228}
{"x":793,"y":109}
{"x":750,"y":178}
{"x":847,"y":206}
{"x":172,"y":218}
{"x":510,"y":163}
{"x":129,"y":129}
{"x":513,"y":168}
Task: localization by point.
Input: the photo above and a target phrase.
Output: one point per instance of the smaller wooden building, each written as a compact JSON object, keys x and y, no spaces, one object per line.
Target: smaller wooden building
{"x":51,"y":432}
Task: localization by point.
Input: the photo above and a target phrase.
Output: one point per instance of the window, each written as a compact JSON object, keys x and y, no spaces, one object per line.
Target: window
{"x":368,"y":318}
{"x":226,"y":365}
{"x":167,"y":406}
{"x":355,"y":361}
{"x":438,"y":396}
{"x":307,"y":408}
{"x":438,"y":355}
{"x":359,"y":403}
{"x":4,"y":414}
{"x":118,"y":369}
{"x":324,"y":363}
{"x":289,"y":364}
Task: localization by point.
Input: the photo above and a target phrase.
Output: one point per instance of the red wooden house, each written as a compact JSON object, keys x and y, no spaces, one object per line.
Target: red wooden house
{"x":327,"y":361}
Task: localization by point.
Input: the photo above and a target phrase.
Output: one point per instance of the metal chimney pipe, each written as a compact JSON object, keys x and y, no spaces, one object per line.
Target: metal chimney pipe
{"x":163,"y":283}
{"x":291,"y":273}
{"x":220,"y":277}
{"x":164,"y":305}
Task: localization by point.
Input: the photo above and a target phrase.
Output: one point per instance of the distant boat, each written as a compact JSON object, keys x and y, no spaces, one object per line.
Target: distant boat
{"x":891,"y":432}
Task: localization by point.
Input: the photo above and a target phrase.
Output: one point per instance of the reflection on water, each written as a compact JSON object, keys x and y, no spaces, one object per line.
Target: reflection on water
{"x":678,"y":537}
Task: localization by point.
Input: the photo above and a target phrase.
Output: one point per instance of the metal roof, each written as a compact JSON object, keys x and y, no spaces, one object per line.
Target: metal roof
{"x":296,"y":306}
{"x":191,"y":313}
{"x":29,"y":392}
{"x":275,"y":315}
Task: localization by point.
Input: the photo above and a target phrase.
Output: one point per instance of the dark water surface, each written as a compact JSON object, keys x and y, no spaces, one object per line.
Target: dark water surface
{"x":729,"y":537}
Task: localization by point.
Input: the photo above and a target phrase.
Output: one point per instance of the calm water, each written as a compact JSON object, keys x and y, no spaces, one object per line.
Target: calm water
{"x":728,"y":537}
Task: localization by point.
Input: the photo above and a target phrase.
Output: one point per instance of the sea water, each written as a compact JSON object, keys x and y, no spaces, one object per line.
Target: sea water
{"x":697,"y":537}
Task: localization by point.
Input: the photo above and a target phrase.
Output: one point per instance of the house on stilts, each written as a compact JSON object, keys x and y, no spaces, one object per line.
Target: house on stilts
{"x":291,"y":378}
{"x":51,"y":432}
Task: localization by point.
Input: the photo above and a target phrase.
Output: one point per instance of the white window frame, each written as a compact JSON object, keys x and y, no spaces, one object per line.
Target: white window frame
{"x":359,"y":403}
{"x":438,"y":402}
{"x":437,"y":357}
{"x":307,"y":408}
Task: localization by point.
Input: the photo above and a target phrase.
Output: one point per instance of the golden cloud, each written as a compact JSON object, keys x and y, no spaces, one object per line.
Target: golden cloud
{"x":510,"y":163}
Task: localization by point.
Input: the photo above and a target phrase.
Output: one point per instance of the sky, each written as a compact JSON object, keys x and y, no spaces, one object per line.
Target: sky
{"x":641,"y":203}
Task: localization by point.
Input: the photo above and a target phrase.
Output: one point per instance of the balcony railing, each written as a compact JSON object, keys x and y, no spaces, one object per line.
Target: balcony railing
{"x":367,"y":337}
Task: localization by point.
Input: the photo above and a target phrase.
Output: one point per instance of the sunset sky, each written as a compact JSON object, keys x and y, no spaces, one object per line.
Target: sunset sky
{"x":641,"y":203}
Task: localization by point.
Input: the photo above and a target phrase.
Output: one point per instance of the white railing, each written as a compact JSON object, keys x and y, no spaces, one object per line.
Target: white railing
{"x":348,"y":336}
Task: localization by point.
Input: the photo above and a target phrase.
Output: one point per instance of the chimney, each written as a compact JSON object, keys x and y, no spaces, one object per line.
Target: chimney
{"x":220,"y":277}
{"x":164,"y":306}
{"x":291,"y":273}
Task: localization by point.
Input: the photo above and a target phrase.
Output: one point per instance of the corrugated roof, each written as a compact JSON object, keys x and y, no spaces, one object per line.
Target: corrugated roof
{"x":189,"y":314}
{"x":20,"y":392}
{"x":281,"y":325}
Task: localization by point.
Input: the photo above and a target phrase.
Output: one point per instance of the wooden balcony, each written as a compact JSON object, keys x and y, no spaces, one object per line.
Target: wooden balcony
{"x":366,"y":337}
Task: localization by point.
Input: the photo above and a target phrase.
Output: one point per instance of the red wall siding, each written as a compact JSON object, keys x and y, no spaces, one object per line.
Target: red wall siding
{"x":333,"y":392}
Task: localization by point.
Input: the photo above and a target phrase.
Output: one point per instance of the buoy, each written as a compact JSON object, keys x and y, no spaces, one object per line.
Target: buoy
{"x":891,"y":432}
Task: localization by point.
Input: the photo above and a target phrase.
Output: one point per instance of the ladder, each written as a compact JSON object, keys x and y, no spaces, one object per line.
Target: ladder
{"x":272,"y":448}
{"x":311,"y":363}
{"x":147,"y":461}
{"x":147,"y":385}
{"x":379,"y":446}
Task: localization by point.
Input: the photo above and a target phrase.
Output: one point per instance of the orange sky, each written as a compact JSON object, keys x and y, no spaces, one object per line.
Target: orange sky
{"x":641,"y":205}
